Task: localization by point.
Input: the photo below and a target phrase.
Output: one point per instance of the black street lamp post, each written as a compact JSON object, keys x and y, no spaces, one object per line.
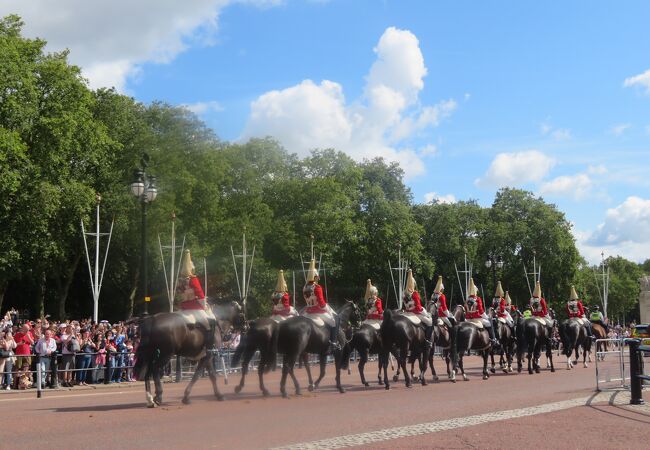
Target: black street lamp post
{"x":494,"y":262}
{"x":143,"y":187}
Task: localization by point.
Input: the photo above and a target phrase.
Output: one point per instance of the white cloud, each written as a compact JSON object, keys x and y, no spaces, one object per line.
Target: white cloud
{"x":577,"y":186}
{"x":111,"y":40}
{"x":597,"y":170}
{"x":545,"y":128}
{"x":629,"y":222}
{"x":516,"y":169}
{"x":428,"y":150}
{"x":199,"y":108}
{"x":311,"y":115}
{"x":561,"y":134}
{"x":431,"y":197}
{"x":641,"y":80}
{"x":619,"y":129}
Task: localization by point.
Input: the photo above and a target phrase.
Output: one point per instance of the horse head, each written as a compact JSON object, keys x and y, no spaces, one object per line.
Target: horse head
{"x":350,"y":312}
{"x":432,"y":306}
{"x":459,"y":313}
{"x":231,"y":312}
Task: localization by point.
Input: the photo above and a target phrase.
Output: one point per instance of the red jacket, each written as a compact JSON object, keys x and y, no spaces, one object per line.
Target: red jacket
{"x":442,"y":306}
{"x":378,"y":314}
{"x":416,"y":306}
{"x":195,"y":284}
{"x":285,"y":301}
{"x":581,"y":310}
{"x":502,"y":308}
{"x":321,"y":304}
{"x":478,"y":312}
{"x":543,"y":311}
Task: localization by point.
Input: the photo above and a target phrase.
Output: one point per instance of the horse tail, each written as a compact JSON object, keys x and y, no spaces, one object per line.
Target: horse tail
{"x":236,"y":357}
{"x":273,"y":350}
{"x":142,"y":356}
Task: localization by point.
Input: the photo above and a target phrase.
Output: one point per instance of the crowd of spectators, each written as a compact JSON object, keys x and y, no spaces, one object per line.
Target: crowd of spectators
{"x":78,"y":352}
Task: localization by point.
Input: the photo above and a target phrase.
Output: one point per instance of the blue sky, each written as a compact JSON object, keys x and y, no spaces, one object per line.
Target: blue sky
{"x":467,"y":96}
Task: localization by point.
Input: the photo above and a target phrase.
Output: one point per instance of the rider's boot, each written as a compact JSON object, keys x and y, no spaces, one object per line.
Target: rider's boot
{"x":334,"y":331}
{"x":210,"y":343}
{"x":428,"y":332}
{"x":493,"y":338}
{"x":590,"y":333}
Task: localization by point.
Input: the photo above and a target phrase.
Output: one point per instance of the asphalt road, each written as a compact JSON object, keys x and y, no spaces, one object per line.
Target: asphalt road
{"x":507,"y":411}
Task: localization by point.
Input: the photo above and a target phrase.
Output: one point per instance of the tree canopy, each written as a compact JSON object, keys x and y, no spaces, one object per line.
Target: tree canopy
{"x":61,"y":143}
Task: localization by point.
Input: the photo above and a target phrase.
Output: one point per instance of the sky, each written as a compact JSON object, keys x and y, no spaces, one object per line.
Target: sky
{"x":467,"y":96}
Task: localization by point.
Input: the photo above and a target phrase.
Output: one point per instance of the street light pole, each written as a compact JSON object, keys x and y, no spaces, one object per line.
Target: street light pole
{"x":144,"y":189}
{"x":493,"y":262}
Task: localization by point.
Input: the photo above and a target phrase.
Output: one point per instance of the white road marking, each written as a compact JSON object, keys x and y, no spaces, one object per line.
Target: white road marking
{"x":352,"y":440}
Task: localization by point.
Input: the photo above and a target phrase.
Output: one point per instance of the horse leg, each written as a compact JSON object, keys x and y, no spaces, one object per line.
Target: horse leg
{"x":380,"y":364}
{"x":260,"y":374}
{"x":585,"y":352}
{"x":363,"y":359}
{"x":402,"y":363}
{"x":433,"y":369}
{"x":244,"y":371}
{"x":212,"y":373}
{"x":304,"y":361}
{"x":384,"y":363}
{"x":538,"y":353}
{"x":321,"y":375}
{"x":147,"y":389}
{"x":486,"y":375}
{"x":492,"y":364}
{"x":338,"y":363}
{"x":447,"y":362}
{"x":157,"y":374}
{"x":197,"y":373}
{"x":461,"y":367}
{"x":283,"y":380}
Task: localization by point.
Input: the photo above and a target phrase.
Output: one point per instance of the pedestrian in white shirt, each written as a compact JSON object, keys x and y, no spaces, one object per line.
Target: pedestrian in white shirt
{"x":45,"y":347}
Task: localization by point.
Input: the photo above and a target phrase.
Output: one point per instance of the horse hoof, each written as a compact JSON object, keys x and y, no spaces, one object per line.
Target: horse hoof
{"x":237,"y":389}
{"x":436,"y":379}
{"x":266,"y":393}
{"x":536,"y":369}
{"x":387,"y":387}
{"x":311,"y":388}
{"x":552,"y":369}
{"x":465,"y":377}
{"x":285,"y":395}
{"x":409,"y":385}
{"x":530,"y":372}
{"x":505,"y":370}
{"x":381,"y":383}
{"x":395,"y":378}
{"x":493,"y":370}
{"x":519,"y":370}
{"x":486,"y":376}
{"x":368,"y":384}
{"x":424,"y":382}
{"x":186,"y":401}
{"x":585,"y":365}
{"x":151,"y":405}
{"x":298,"y":392}
{"x":342,"y":390}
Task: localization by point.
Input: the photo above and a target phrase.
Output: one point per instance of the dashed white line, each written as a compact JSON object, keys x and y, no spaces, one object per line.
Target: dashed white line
{"x":443,"y":425}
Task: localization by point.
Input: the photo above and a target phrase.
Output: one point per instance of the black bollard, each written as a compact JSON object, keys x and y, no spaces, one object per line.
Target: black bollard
{"x":54,"y":368}
{"x":107,"y":370}
{"x":636,"y":382}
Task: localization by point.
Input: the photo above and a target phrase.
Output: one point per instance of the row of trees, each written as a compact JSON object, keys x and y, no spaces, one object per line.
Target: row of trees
{"x":60,"y":143}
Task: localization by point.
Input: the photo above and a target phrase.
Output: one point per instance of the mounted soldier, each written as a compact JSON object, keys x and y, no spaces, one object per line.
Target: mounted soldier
{"x":502,"y":304}
{"x":375,"y":308}
{"x":317,"y":306}
{"x":474,"y":310}
{"x":596,"y":316}
{"x":439,"y":299}
{"x":282,"y":308}
{"x":193,"y":301}
{"x":576,"y":310}
{"x":538,"y":306}
{"x":413,"y":307}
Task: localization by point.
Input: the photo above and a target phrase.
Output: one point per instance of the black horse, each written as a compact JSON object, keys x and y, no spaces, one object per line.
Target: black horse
{"x":533,"y":335}
{"x":464,"y":337}
{"x":442,"y":337}
{"x":367,"y":340}
{"x":574,"y":336}
{"x":405,"y":340}
{"x":298,"y":336}
{"x":258,"y":338}
{"x":507,"y":348}
{"x":165,"y":334}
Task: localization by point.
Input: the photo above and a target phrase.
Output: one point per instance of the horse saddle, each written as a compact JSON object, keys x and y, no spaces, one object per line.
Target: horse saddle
{"x":502,"y":319}
{"x":376,"y":324}
{"x":414,"y":318}
{"x":278,"y":317}
{"x":321,"y":320}
{"x":198,"y":317}
{"x":540,"y":320}
{"x":478,"y":323}
{"x":580,"y":320}
{"x":439,"y":322}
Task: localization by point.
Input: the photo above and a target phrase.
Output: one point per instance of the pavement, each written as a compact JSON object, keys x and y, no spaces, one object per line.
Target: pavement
{"x":543,"y":410}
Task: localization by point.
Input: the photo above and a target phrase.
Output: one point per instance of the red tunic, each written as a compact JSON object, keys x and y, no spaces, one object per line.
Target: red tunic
{"x":543,"y":312}
{"x":321,"y":305}
{"x":378,"y":315}
{"x":502,"y":308}
{"x":580,"y":313}
{"x":442,"y":306}
{"x":285,"y":301}
{"x":417,"y":304}
{"x":479,"y":310}
{"x":199,"y":296}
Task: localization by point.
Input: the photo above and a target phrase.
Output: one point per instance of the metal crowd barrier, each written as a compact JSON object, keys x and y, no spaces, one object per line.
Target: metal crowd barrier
{"x":637,"y":353}
{"x":607,"y":373}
